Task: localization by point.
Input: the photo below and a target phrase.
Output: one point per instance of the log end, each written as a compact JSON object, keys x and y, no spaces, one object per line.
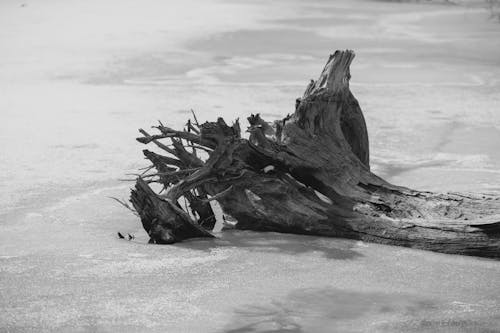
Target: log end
{"x":164,"y":222}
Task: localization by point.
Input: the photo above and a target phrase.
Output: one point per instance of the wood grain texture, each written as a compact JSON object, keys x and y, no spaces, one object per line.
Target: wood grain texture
{"x":308,"y":174}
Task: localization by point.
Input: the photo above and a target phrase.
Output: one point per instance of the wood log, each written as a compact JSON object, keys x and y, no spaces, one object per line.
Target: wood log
{"x":310,"y":174}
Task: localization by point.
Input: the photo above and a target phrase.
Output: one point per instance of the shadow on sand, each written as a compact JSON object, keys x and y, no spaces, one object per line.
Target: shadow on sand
{"x":330,"y":248}
{"x":323,"y":310}
{"x":328,"y":310}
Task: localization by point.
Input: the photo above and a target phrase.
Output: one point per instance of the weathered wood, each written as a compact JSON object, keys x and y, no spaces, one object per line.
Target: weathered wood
{"x":310,"y":174}
{"x":163,"y":219}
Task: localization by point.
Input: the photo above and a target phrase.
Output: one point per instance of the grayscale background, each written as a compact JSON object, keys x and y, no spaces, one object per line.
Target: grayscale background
{"x":78,"y":78}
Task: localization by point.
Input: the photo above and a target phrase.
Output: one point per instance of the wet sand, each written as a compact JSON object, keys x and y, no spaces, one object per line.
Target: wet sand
{"x":427,"y":80}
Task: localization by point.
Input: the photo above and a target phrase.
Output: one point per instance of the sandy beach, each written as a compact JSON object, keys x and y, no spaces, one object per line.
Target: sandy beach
{"x":77,"y":80}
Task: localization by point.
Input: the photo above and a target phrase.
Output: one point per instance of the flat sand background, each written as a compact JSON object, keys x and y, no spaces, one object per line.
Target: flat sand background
{"x":77,"y":78}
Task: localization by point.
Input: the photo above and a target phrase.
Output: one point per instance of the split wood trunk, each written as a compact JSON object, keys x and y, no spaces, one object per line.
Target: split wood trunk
{"x":308,"y":173}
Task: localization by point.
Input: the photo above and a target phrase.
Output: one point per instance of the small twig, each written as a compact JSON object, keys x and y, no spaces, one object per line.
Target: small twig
{"x":171,"y":173}
{"x":191,"y":127}
{"x":208,"y":150}
{"x":146,"y":170}
{"x":195,"y":119}
{"x":171,"y":133}
{"x":154,"y":139}
{"x":126,"y":205}
{"x":218,"y":195}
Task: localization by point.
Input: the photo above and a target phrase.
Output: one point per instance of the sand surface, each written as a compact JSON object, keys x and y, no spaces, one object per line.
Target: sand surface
{"x":77,"y":78}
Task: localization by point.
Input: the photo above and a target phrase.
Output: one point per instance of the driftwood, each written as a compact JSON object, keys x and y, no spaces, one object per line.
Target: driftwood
{"x":308,"y":173}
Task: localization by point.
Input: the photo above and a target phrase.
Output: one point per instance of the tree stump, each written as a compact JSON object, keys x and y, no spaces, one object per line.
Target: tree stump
{"x":308,"y":173}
